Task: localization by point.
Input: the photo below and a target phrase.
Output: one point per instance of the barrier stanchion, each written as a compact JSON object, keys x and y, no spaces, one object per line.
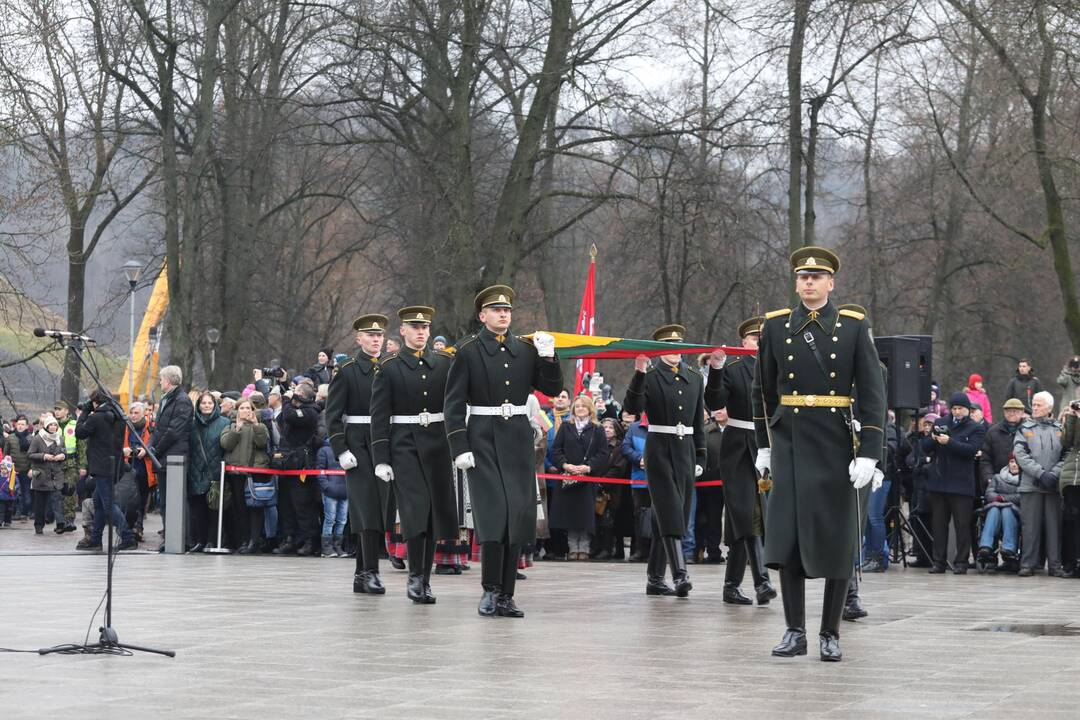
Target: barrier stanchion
{"x":220,"y":515}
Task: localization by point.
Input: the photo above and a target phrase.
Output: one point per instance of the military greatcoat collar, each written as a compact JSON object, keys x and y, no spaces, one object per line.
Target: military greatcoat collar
{"x":667,"y":373}
{"x":365,"y":362}
{"x":490,"y":342}
{"x":825,"y":317}
{"x":410,"y":358}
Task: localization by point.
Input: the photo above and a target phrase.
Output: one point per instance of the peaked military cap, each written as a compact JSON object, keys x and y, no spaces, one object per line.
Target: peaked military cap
{"x":416,"y":314}
{"x":669,"y":333}
{"x":495,"y":296}
{"x":372,"y":322}
{"x":812,"y":259}
{"x":753,"y":325}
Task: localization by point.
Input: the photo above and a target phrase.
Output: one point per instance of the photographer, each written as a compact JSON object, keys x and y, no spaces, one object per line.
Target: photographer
{"x":920,"y":462}
{"x":952,"y":443}
{"x":1069,"y":379}
{"x":267,"y":378}
{"x":103,"y":432}
{"x":299,"y":422}
{"x":1038,"y":453}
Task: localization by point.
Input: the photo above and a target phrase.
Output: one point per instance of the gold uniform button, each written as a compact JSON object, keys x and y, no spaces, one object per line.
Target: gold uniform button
{"x":832,"y":356}
{"x":794,"y":392}
{"x":832,"y":409}
{"x":787,"y":325}
{"x":502,"y":349}
{"x":791,"y":376}
{"x":839,"y":324}
{"x":832,"y":392}
{"x":832,"y":374}
{"x":835,"y":339}
{"x":680,"y":407}
{"x":425,"y":392}
{"x":788,"y":341}
{"x":507,"y":382}
{"x":423,"y":377}
{"x":796,"y":411}
{"x":790,"y":357}
{"x":506,"y":364}
{"x":680,"y":392}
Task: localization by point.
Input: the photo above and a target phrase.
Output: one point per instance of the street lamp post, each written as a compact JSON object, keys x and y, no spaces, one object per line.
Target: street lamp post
{"x":132,"y":268}
{"x":214,"y":336}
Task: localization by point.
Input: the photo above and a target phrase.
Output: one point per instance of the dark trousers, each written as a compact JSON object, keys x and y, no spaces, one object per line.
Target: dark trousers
{"x":200,"y":519}
{"x":105,"y":508}
{"x":237,"y":516}
{"x":305,"y":500}
{"x":286,"y":527}
{"x":944,"y":506}
{"x":41,"y":504}
{"x":639,"y":546}
{"x":7,"y":509}
{"x":710,"y":520}
{"x":1040,"y":513}
{"x":1070,"y":526}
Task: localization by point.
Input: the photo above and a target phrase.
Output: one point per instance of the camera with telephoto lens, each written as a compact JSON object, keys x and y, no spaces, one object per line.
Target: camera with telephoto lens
{"x":1074,"y":363}
{"x":274,"y":372}
{"x":1075,"y":406}
{"x":941,"y":430}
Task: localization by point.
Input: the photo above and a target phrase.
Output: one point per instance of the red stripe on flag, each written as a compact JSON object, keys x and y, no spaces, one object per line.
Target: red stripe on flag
{"x":586,"y":326}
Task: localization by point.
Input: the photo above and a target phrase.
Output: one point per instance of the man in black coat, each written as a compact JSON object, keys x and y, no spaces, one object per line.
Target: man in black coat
{"x":492,"y":375}
{"x":670,"y":392}
{"x":299,"y":422}
{"x":348,"y":420}
{"x":819,"y":443}
{"x":729,"y":387}
{"x":408,"y":445}
{"x":172,"y":427}
{"x":103,"y":432}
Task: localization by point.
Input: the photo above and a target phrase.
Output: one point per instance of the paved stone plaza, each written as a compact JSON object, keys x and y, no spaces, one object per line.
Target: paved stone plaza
{"x":265,"y":637}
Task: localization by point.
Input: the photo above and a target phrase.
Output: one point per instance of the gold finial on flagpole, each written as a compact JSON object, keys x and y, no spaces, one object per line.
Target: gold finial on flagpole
{"x":592,"y":252}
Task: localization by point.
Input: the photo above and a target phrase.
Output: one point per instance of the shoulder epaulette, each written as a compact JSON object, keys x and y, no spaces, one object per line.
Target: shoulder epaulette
{"x":777,"y":313}
{"x":387,"y":358}
{"x":734,"y":362}
{"x":447,"y":351}
{"x":347,"y":363}
{"x":465,"y":341}
{"x":525,"y":339}
{"x":853,"y":314}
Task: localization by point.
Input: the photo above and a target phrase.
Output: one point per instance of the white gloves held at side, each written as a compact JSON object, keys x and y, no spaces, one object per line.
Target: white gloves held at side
{"x":863,"y":471}
{"x":465,"y":461}
{"x":763,"y":462}
{"x":347,"y":460}
{"x":384,"y":472}
{"x":544,"y":343}
{"x":698,"y":470}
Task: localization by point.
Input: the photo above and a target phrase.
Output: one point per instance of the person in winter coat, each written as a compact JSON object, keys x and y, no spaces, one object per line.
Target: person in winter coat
{"x":633,"y":448}
{"x":335,"y":502}
{"x":46,"y":470}
{"x":1038,"y":450}
{"x":145,"y":477}
{"x":1002,"y":505}
{"x":244,"y":443}
{"x":580,"y":448}
{"x":204,"y":467}
{"x":172,"y":426}
{"x":953,"y":444}
{"x":978,"y":397}
{"x":920,"y":463}
{"x":103,"y":432}
{"x":998,"y":446}
{"x":1024,"y":384}
{"x":1069,"y":379}
{"x":621,"y":505}
{"x":1069,"y":482}
{"x":16,"y":447}
{"x":937,"y":406}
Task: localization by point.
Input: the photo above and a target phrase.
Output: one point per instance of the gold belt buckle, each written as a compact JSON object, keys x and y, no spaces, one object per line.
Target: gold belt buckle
{"x":811,"y":400}
{"x":425,"y":419}
{"x":507,"y":410}
{"x":680,"y":430}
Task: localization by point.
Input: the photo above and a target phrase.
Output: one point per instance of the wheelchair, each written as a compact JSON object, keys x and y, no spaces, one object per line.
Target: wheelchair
{"x":995,"y":559}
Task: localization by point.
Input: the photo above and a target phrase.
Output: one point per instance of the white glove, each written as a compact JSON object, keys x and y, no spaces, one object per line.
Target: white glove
{"x":384,"y":472}
{"x":879,"y":480}
{"x":698,"y":470}
{"x":862,"y":471}
{"x":544,"y":343}
{"x":465,"y":461}
{"x":347,"y":460}
{"x":763,"y":463}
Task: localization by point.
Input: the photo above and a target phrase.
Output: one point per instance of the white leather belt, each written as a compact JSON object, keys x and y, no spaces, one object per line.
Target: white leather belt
{"x":741,"y":424}
{"x":424,"y":419}
{"x":505,"y":411}
{"x":358,"y":419}
{"x":680,"y":430}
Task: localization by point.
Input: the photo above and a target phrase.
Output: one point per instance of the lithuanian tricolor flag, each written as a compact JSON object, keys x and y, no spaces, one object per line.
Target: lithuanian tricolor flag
{"x":569,"y":346}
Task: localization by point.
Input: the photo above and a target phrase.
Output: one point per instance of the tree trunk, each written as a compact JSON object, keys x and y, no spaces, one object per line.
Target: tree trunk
{"x":76,"y":309}
{"x":795,"y":156}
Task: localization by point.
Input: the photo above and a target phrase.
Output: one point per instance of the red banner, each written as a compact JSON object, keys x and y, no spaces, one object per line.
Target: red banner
{"x":586,"y":323}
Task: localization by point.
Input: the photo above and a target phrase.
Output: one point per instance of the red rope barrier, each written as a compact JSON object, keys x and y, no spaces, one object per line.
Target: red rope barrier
{"x":546,"y":476}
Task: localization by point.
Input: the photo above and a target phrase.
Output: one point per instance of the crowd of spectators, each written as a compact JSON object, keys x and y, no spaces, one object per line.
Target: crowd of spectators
{"x":959,"y":489}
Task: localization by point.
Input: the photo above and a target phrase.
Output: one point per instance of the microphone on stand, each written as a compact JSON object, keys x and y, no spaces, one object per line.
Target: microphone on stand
{"x":62,"y":335}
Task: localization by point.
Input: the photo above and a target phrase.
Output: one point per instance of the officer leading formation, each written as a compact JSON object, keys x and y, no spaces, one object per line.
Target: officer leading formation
{"x":819,"y":441}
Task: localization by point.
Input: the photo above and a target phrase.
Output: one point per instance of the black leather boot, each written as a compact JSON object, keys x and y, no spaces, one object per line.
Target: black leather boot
{"x":831,"y":610}
{"x":793,"y":592}
{"x":756,"y":554}
{"x":673,"y":548}
{"x":429,"y":563}
{"x":733,"y":576}
{"x":488,"y":601}
{"x":853,"y":609}
{"x":504,"y":603}
{"x":491,"y":567}
{"x":654,"y":583}
{"x":414,"y":588}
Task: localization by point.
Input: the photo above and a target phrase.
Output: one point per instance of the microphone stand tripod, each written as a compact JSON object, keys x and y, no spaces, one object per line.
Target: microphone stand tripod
{"x":108,"y":641}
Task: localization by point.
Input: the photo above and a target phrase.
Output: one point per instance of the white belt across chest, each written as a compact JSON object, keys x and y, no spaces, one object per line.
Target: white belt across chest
{"x":741,"y":424}
{"x":423,"y":419}
{"x":358,"y":419}
{"x":505,"y":411}
{"x":679,"y":430}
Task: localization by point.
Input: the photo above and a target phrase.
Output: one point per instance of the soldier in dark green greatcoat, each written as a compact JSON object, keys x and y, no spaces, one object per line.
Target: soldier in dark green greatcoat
{"x":348,"y":422}
{"x":491,"y":377}
{"x":671,"y":394}
{"x":408,"y":445}
{"x":729,"y":387}
{"x":817,"y":442}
